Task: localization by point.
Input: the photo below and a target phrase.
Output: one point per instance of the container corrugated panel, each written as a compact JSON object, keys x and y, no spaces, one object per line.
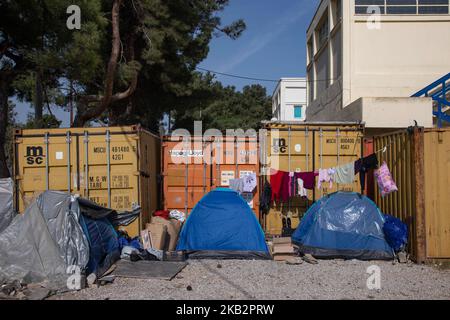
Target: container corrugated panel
{"x":234,"y":158}
{"x":305,"y":148}
{"x":193,"y":168}
{"x":436,"y":172}
{"x":437,"y":195}
{"x":399,"y":158}
{"x":115,"y":167}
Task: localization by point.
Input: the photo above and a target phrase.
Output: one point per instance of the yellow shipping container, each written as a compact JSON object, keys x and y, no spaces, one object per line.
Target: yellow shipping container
{"x":419,"y":160}
{"x":116,"y":167}
{"x":308,"y":147}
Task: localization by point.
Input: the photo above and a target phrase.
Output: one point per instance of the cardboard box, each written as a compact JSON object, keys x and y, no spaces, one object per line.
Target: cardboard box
{"x":158,"y":234}
{"x":173,"y":231}
{"x":284,"y":249}
{"x":285,"y":240}
{"x":282,"y":257}
{"x":146,"y":239}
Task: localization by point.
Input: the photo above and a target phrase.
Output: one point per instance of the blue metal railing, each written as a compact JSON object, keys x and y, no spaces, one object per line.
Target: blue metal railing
{"x":438,"y":90}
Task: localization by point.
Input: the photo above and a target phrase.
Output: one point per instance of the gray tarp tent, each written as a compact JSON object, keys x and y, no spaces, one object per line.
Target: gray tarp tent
{"x":6,"y":203}
{"x":58,"y":231}
{"x":44,"y":241}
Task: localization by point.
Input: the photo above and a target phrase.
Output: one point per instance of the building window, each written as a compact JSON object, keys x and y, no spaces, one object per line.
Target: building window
{"x":298,"y":112}
{"x":337,"y":12}
{"x":403,"y":7}
{"x":310,"y":51}
{"x":322,"y":32}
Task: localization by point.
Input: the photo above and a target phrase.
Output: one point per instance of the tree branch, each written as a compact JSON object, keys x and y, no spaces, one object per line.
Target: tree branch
{"x":108,"y":97}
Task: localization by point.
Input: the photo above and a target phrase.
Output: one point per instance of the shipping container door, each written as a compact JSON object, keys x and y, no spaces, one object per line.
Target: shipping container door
{"x":289,"y":150}
{"x":187,"y":173}
{"x":110,"y":173}
{"x":45,"y":162}
{"x":334,"y":148}
{"x":233,"y":158}
{"x":437,"y":200}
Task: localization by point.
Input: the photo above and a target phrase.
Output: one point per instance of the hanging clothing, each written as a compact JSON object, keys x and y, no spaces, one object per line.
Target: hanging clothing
{"x":362,"y":166}
{"x":291,"y":184}
{"x":285,"y":187}
{"x":237,"y":185}
{"x":309,"y":179}
{"x":276,"y":179}
{"x":250,"y":182}
{"x":327,"y":176}
{"x":345,"y":174}
{"x":266,"y":197}
{"x":302,"y":192}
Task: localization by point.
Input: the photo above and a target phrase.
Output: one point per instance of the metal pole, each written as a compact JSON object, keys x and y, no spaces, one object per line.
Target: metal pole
{"x":86,"y":164}
{"x":307,"y":148}
{"x":69,"y":180}
{"x":289,"y":164}
{"x":338,"y":150}
{"x":204,"y":167}
{"x":236,"y":156}
{"x":321,"y":155}
{"x":186,"y":181}
{"x":108,"y":156}
{"x":47,"y":156}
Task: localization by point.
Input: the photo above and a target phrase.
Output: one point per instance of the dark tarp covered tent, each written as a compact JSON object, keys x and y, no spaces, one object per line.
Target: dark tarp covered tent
{"x":222,"y":225}
{"x":343,"y":225}
{"x":58,"y":231}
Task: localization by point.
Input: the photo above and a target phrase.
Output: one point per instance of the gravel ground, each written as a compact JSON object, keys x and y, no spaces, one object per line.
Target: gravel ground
{"x":256,"y":280}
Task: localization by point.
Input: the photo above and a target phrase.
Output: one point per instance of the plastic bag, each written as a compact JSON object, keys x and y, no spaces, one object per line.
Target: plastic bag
{"x":178,"y":215}
{"x":385,"y":181}
{"x":395,"y":232}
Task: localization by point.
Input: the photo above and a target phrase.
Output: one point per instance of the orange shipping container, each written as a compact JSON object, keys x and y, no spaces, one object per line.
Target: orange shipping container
{"x":194,"y":167}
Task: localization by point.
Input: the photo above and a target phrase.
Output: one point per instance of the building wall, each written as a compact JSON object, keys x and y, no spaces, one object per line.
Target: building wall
{"x":403,"y":55}
{"x":289,"y":93}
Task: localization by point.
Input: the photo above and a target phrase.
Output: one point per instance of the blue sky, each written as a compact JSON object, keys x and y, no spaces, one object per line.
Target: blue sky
{"x":273,"y":46}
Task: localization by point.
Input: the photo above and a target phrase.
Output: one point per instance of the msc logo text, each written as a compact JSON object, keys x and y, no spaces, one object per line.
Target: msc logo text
{"x":34,"y":155}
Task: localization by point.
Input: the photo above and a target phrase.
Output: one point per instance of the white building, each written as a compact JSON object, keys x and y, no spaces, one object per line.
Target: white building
{"x":289,"y":100}
{"x":366,"y":58}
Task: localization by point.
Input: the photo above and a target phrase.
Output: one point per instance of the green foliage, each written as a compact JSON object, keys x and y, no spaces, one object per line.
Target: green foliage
{"x":161,"y":41}
{"x":226,"y":108}
{"x":49,"y":121}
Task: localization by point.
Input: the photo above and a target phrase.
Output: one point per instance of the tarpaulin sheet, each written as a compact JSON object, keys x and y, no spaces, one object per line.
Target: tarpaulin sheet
{"x":6,"y":203}
{"x":343,"y":225}
{"x":44,"y":241}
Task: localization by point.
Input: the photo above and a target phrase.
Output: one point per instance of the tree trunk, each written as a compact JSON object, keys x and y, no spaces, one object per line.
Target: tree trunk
{"x":102,"y":103}
{"x":38,"y":101}
{"x":4,"y":112}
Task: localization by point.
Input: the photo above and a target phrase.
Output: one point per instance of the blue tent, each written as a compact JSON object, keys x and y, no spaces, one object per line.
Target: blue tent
{"x":222,"y":225}
{"x":343,"y":225}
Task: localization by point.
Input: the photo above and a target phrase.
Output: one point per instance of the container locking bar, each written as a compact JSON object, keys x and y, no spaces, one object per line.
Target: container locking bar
{"x":47,"y":156}
{"x":69,"y":164}
{"x":108,"y":170}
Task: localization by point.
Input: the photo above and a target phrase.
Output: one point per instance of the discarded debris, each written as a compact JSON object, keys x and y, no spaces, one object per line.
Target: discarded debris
{"x":294,"y":261}
{"x":310,"y":259}
{"x":91,"y":279}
